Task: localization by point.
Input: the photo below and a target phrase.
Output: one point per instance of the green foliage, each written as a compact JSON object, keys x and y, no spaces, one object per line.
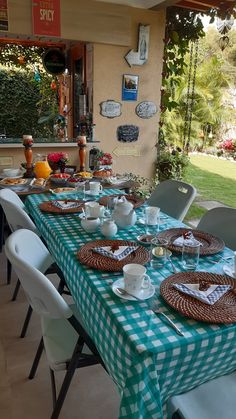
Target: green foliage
{"x":143,"y":186}
{"x":171,"y":164}
{"x":27,"y":106}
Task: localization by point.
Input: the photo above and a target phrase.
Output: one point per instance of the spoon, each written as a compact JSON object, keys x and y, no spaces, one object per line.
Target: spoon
{"x":121,"y":291}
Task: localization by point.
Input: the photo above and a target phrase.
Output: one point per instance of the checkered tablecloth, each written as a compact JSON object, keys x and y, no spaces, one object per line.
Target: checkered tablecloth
{"x":146,"y":358}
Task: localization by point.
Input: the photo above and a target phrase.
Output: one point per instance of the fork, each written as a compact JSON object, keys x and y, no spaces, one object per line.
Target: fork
{"x":158,"y":311}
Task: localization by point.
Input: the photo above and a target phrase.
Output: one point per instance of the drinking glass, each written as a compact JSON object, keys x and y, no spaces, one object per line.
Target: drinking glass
{"x":158,"y":254}
{"x":190,"y":256}
{"x":151,"y":220}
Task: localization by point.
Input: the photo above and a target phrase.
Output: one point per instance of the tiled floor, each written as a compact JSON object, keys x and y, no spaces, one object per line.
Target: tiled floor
{"x":92,"y":394}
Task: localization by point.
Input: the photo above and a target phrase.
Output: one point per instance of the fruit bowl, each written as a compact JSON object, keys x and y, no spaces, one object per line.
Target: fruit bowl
{"x":75,"y":182}
{"x":60,"y":178}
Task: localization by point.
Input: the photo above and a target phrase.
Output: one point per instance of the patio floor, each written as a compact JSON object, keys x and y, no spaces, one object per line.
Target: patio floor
{"x":92,"y":394}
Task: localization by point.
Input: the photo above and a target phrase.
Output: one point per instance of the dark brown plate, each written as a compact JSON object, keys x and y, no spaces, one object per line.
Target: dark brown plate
{"x":88,"y":257}
{"x":49,"y":207}
{"x":210,"y":243}
{"x":223,"y":311}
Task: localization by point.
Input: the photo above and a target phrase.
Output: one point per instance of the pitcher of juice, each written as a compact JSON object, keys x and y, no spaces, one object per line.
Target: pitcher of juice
{"x":41,"y":167}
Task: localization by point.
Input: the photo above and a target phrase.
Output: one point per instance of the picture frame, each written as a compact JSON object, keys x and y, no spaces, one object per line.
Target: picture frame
{"x":130,"y":87}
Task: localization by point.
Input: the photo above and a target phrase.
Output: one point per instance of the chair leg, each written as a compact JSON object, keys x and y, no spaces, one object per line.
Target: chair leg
{"x":67,"y":380}
{"x":9,"y":269}
{"x":26,"y":322}
{"x":53,"y":385}
{"x":36,"y":359}
{"x":16,"y":290}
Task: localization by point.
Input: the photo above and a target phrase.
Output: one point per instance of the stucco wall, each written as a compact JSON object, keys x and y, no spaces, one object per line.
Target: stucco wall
{"x":109,"y":66}
{"x":114,"y":30}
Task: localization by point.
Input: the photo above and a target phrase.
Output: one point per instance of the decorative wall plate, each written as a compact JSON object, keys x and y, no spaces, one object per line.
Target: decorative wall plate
{"x":146,"y":109}
{"x":110,"y":108}
{"x":127,"y":133}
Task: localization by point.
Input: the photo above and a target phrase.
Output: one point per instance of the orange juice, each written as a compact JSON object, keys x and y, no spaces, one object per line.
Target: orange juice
{"x":42,"y":169}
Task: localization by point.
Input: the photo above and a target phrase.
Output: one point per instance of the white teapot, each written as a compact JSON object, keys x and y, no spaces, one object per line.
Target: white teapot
{"x":123,"y":213}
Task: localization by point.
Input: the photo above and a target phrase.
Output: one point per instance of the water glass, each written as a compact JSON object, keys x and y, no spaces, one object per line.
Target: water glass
{"x":152,"y":220}
{"x":190,"y":256}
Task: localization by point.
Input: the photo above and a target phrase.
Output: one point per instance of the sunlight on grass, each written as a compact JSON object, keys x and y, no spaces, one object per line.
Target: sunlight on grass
{"x":215,"y":165}
{"x":214,"y":179}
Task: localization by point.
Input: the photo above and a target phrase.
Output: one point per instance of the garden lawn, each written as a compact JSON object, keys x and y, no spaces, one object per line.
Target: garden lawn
{"x":214,"y":179}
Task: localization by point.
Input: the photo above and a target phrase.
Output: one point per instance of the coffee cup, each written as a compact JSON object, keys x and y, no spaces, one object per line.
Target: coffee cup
{"x":95,"y":188}
{"x":135,"y":278}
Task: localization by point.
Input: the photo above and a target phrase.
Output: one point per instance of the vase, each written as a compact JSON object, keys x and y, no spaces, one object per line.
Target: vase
{"x":54,"y":166}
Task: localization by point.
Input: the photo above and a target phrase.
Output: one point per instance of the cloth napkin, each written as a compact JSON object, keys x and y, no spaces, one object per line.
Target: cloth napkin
{"x":190,"y":241}
{"x":118,"y":254}
{"x":65,"y":205}
{"x":210,"y":296}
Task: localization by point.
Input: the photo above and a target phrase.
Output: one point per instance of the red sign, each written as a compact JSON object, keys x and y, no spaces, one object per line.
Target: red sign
{"x":46,"y":17}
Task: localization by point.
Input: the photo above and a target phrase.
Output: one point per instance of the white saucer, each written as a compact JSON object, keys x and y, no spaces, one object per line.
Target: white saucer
{"x":91,"y":193}
{"x":144,"y":294}
{"x":228,"y":270}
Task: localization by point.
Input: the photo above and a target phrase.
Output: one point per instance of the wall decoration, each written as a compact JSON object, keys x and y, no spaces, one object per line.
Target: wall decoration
{"x":54,"y":61}
{"x":140,"y":57}
{"x":127,"y":133}
{"x":129,"y":150}
{"x":46,"y":17}
{"x":146,"y":109}
{"x":110,"y":108}
{"x":129,"y":87}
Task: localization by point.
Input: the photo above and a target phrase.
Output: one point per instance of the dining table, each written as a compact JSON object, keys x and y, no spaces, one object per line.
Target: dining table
{"x":24,"y":190}
{"x":146,"y":358}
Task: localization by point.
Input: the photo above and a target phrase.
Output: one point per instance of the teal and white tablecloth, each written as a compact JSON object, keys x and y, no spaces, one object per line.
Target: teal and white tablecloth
{"x":147,"y":360}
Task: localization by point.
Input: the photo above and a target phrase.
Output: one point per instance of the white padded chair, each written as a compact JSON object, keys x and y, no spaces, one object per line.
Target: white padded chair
{"x":173,"y":197}
{"x":18,"y":218}
{"x":67,"y":344}
{"x":212,"y":400}
{"x":220,"y":222}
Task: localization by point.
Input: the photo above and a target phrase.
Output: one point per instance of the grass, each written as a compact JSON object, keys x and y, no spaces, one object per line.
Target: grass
{"x":214,"y":179}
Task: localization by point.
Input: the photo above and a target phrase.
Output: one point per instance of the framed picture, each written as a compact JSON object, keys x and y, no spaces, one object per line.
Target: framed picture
{"x":129,"y":87}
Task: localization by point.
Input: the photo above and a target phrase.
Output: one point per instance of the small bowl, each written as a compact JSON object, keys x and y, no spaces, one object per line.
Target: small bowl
{"x":161,"y":252}
{"x":74,"y":182}
{"x":145,"y":239}
{"x":11,"y":172}
{"x":60,"y":178}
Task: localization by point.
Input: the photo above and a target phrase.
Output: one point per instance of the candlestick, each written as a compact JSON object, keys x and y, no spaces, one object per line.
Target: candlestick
{"x":27,"y":143}
{"x":81,"y":141}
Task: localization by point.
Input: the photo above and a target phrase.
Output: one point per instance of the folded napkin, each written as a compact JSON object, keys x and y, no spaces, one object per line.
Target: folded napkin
{"x":189,"y":241}
{"x":210,"y":296}
{"x":65,"y":204}
{"x":118,"y":254}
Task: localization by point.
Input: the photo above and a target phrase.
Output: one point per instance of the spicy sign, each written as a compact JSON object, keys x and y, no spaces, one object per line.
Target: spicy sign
{"x":46,"y":17}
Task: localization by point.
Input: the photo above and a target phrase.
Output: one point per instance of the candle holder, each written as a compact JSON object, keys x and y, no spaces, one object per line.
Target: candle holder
{"x":81,"y":141}
{"x":27,"y":143}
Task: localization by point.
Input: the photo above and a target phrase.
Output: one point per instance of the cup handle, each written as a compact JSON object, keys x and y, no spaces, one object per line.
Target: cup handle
{"x":147,"y":281}
{"x":101,"y":188}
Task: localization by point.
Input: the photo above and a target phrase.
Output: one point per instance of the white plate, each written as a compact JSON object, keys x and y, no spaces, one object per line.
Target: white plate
{"x":33,"y":184}
{"x":228,"y":270}
{"x":91,"y":193}
{"x":144,"y":294}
